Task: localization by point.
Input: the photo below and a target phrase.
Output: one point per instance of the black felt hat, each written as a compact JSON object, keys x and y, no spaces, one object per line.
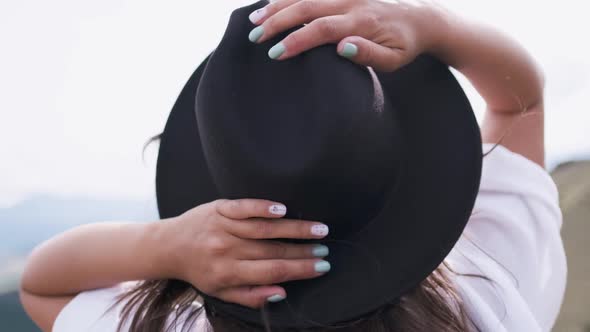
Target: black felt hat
{"x":391,"y":162}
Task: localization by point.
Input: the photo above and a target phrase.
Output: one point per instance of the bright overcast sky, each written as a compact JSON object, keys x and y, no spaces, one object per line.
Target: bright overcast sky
{"x":83,"y":84}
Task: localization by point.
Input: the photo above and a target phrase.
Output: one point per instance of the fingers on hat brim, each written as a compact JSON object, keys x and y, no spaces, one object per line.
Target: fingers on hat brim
{"x":368,"y":53}
{"x":275,"y":271}
{"x":249,"y":208}
{"x":324,"y":30}
{"x":259,"y":229}
{"x":252,"y":296}
{"x":288,"y":14}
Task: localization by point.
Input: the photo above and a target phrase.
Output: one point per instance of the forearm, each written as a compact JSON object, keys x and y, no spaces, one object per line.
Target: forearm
{"x":93,"y":256}
{"x":500,"y":69}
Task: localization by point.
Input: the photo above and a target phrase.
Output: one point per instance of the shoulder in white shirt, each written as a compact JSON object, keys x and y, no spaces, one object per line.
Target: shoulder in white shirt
{"x":513,"y":240}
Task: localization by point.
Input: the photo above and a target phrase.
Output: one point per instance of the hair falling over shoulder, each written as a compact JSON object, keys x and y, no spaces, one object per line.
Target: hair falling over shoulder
{"x":434,"y":305}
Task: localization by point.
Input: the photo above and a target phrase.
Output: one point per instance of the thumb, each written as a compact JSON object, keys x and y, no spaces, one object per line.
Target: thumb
{"x":368,"y":53}
{"x":252,"y":296}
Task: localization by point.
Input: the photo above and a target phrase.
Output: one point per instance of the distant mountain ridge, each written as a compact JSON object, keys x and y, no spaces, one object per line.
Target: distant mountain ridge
{"x":39,"y":217}
{"x":12,"y":315}
{"x":573,"y":183}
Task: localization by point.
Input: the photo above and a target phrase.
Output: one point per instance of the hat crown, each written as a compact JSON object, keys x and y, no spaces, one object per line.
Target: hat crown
{"x":312,"y":132}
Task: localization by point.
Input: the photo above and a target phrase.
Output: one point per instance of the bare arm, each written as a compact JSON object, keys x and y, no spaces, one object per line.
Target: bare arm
{"x":506,"y":77}
{"x":204,"y":246}
{"x":94,"y":256}
{"x":84,"y":258}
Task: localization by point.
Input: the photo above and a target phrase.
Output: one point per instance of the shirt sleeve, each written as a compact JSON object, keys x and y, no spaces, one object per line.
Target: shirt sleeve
{"x":516,"y":224}
{"x":88,"y":311}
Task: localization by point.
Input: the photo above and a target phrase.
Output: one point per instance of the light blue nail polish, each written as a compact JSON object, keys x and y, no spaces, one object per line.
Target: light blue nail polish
{"x":349,"y":50}
{"x":276,"y":51}
{"x":322,"y":267}
{"x":256,"y":33}
{"x":275,"y":298}
{"x":320,"y":250}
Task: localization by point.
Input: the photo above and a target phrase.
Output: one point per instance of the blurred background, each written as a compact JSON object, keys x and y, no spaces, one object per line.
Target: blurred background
{"x":84,"y":84}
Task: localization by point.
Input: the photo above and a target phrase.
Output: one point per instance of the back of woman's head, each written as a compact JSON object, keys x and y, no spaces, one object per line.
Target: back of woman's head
{"x":433,"y":305}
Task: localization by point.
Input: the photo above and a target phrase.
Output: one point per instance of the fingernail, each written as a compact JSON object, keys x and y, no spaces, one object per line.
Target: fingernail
{"x":257,"y":15}
{"x":320,"y":250}
{"x":320,"y":230}
{"x":277,"y":209}
{"x":349,"y":50}
{"x":275,"y":298}
{"x":256,"y":33}
{"x":322,"y":267}
{"x":276,"y":51}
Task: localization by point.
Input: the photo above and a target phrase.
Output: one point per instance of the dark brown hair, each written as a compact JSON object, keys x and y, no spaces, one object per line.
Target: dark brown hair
{"x":434,"y":305}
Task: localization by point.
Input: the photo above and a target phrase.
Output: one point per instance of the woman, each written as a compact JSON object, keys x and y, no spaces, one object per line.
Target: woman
{"x":506,"y":273}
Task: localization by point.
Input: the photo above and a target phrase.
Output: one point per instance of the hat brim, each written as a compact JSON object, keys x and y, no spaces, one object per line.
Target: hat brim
{"x":417,"y":227}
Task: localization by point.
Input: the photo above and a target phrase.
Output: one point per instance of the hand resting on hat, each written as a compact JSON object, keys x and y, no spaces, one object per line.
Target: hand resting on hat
{"x":388,"y":35}
{"x":383,"y":35}
{"x":236,"y":261}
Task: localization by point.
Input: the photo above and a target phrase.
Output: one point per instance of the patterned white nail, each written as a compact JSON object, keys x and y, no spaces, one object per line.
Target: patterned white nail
{"x":275,"y":298}
{"x":257,"y":15}
{"x":320,"y":230}
{"x":278,"y":209}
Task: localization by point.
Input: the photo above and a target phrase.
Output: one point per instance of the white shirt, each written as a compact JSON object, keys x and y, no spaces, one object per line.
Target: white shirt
{"x":512,"y":239}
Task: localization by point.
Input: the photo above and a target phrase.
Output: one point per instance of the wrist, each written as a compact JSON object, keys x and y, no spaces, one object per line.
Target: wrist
{"x":158,"y":246}
{"x":443,"y":27}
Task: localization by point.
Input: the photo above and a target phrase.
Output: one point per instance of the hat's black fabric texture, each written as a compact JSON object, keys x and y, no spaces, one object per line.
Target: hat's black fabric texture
{"x":391,"y":162}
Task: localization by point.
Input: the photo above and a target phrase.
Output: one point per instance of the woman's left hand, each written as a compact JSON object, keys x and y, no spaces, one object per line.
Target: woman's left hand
{"x":383,"y":35}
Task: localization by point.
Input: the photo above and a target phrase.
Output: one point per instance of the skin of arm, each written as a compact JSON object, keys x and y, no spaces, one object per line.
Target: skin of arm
{"x":117,"y":252}
{"x":87,"y":257}
{"x":506,"y":76}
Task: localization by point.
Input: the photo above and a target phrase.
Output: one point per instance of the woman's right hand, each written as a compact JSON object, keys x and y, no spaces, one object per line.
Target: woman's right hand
{"x":225,"y":249}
